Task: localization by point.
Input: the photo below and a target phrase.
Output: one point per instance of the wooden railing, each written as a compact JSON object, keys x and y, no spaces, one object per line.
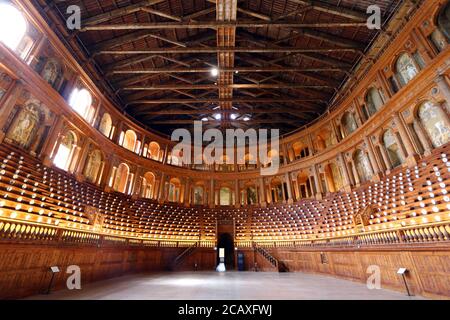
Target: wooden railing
{"x":267,"y":255}
{"x":21,"y":231}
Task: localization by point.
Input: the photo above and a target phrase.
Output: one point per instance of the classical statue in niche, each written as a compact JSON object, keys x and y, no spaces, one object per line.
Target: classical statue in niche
{"x":93,"y":164}
{"x":51,"y":72}
{"x":24,"y":126}
{"x":435,"y":122}
{"x":251,"y":195}
{"x":198,"y":196}
{"x":363,"y":166}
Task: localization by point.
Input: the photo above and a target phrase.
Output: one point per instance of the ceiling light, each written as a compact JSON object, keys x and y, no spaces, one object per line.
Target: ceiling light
{"x":217,"y":116}
{"x":214,"y":72}
{"x":205,"y":119}
{"x":246,"y":119}
{"x":234,"y":116}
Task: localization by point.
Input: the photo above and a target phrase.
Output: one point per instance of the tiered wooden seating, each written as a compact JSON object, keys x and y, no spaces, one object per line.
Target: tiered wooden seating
{"x":55,"y":200}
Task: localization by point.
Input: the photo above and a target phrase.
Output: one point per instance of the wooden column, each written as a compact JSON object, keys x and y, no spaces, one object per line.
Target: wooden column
{"x":410,"y":152}
{"x":237,"y":202}
{"x":161,"y":191}
{"x":423,"y":138}
{"x":187,"y":193}
{"x":319,"y":190}
{"x":347,"y":180}
{"x":386,"y":159}
{"x":52,"y":141}
{"x":82,"y":159}
{"x":212,"y":197}
{"x":355,"y":174}
{"x":443,"y":87}
{"x":289,"y":188}
{"x":373,"y":159}
{"x":6,"y":108}
{"x":262,"y":193}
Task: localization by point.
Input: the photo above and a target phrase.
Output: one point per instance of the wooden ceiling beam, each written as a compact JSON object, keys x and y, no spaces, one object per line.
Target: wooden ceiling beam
{"x":162,"y":14}
{"x":216,"y":50}
{"x":210,"y":111}
{"x":220,"y":122}
{"x":131,"y":37}
{"x":230,"y":86}
{"x":219,"y":24}
{"x":263,"y":41}
{"x":103,"y":17}
{"x":217,"y":100}
{"x":234,"y":69}
{"x":331,"y":38}
{"x":333,"y":9}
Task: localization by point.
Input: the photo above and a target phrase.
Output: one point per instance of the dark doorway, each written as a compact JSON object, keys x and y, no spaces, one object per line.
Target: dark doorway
{"x":226,"y":241}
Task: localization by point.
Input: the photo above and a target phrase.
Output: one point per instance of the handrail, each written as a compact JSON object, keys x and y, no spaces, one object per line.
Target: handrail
{"x":266,"y":254}
{"x":184,"y":254}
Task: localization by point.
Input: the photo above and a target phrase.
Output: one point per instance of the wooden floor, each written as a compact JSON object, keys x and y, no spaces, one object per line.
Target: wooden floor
{"x":226,"y":286}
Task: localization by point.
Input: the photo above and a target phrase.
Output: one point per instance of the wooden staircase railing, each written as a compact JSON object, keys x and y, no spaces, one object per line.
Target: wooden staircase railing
{"x":279,"y":265}
{"x":187,"y":252}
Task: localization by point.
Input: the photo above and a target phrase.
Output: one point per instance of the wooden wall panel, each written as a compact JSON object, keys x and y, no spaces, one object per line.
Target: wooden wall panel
{"x":24,"y":268}
{"x":429,"y":269}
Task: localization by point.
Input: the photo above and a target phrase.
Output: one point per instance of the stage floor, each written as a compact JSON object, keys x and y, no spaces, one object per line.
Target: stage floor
{"x":226,"y":286}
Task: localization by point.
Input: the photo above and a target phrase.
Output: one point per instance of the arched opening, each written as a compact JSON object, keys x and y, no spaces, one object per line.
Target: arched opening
{"x":129,"y":140}
{"x":435,"y":122}
{"x":13,"y":26}
{"x":441,"y":36}
{"x":251,"y":195}
{"x":148,"y":185}
{"x":304,"y":186}
{"x":333,"y":177}
{"x":51,"y":72}
{"x":199,"y":195}
{"x":349,"y":122}
{"x":174,"y":190}
{"x":81,"y":101}
{"x":153,"y":150}
{"x":225,"y":241}
{"x":105,"y":125}
{"x":363,"y":166}
{"x":93,"y":166}
{"x":65,"y":152}
{"x":23,"y":129}
{"x":300,"y":150}
{"x":374,"y":102}
{"x":276,"y":190}
{"x":225,"y":197}
{"x":405,"y":69}
{"x":121,"y":179}
{"x":392,"y":148}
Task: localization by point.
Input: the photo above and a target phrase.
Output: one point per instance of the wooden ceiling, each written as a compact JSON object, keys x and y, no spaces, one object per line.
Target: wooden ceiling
{"x":280,"y":62}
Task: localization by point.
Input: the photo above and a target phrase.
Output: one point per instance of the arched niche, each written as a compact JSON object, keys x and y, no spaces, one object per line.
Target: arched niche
{"x":121,"y":178}
{"x":148,"y":185}
{"x":93,"y":166}
{"x":105,"y":126}
{"x":405,"y":69}
{"x":66,"y":150}
{"x":129,"y":140}
{"x":363,"y":166}
{"x":24,"y":128}
{"x":435,"y":122}
{"x":392,"y":148}
{"x":174,"y":190}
